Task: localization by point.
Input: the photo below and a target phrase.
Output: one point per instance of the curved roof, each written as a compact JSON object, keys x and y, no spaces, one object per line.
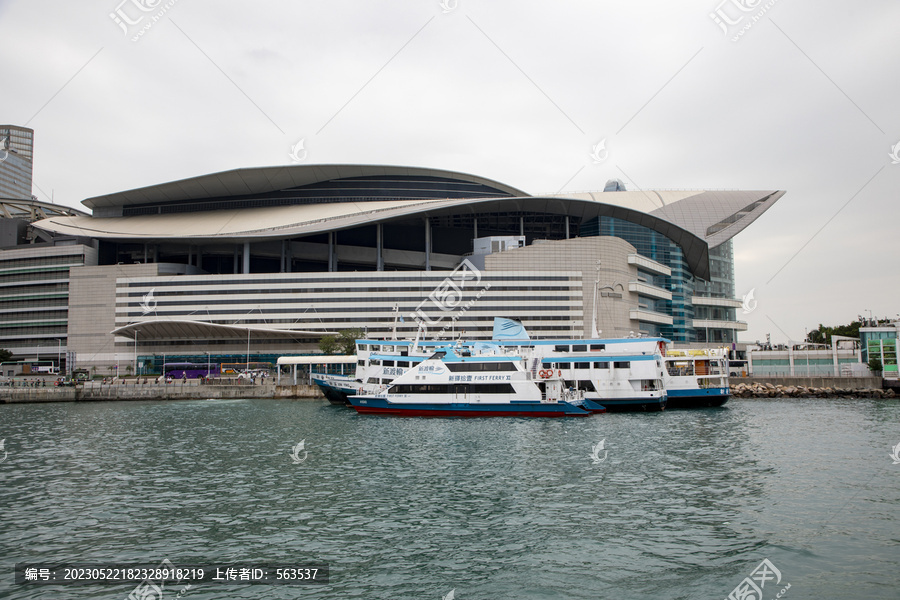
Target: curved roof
{"x":695,"y":220}
{"x":259,"y":180}
{"x":714,"y":216}
{"x":306,"y":219}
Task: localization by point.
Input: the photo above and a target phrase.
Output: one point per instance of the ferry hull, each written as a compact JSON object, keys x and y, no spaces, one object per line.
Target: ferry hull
{"x":380,"y":406}
{"x":335,"y":394}
{"x":632,"y":404}
{"x":698,"y":398}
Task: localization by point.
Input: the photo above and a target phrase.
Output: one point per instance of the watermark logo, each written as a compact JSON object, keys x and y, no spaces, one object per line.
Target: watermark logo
{"x":734,"y":13}
{"x":595,"y":451}
{"x":448,"y":5}
{"x":295,"y":455}
{"x":148,"y":304}
{"x":4,"y":153}
{"x":450,"y":595}
{"x":129,"y":14}
{"x":895,"y":455}
{"x":5,"y":453}
{"x":599,"y":153}
{"x":748,"y":302}
{"x":895,"y":154}
{"x":298,"y":152}
{"x":150,"y":590}
{"x":751,"y":587}
{"x":448,"y":296}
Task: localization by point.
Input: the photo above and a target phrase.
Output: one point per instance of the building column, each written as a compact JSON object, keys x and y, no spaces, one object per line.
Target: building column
{"x":791,"y":357}
{"x":521,"y":225}
{"x":332,"y":261}
{"x":427,"y":244}
{"x":834,"y":359}
{"x":145,"y":254}
{"x":567,"y":226}
{"x":235,"y":268}
{"x":475,"y":235}
{"x":156,"y":253}
{"x":379,"y":247}
{"x":190,"y":254}
{"x":246,"y":258}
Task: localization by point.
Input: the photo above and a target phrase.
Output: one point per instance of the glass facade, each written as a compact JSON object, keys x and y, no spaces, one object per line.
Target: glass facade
{"x":16,"y":162}
{"x":681,"y":282}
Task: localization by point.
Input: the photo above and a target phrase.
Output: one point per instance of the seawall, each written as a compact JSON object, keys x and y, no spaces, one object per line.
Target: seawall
{"x":173,"y":391}
{"x":809,"y":387}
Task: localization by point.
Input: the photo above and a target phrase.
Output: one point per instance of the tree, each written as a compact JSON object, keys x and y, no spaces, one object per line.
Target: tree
{"x":5,"y":355}
{"x":823,"y":334}
{"x":875,"y":364}
{"x":343,"y":343}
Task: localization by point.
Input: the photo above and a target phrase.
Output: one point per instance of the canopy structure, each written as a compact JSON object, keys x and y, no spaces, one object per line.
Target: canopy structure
{"x":182,"y":329}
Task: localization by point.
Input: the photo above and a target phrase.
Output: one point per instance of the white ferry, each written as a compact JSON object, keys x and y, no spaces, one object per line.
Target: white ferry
{"x":621,"y":374}
{"x":697,"y":378}
{"x":473,"y":380}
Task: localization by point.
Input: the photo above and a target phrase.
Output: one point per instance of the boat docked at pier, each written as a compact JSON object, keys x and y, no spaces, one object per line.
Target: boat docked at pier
{"x":697,"y":378}
{"x":475,"y":380}
{"x":621,"y":374}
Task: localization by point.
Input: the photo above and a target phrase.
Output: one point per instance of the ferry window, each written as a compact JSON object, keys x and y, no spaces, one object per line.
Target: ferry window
{"x":361,"y":347}
{"x":438,"y":355}
{"x":598,"y":346}
{"x":622,"y":364}
{"x":481,"y":366}
{"x":361,"y":363}
{"x":601,"y":365}
{"x":376,"y":362}
{"x":388,"y":363}
{"x":579,"y":348}
{"x":402,"y":363}
{"x":372,"y":380}
{"x":582,"y":365}
{"x":563,"y":365}
{"x":404,"y":353}
{"x":561,"y":348}
{"x":587,"y":385}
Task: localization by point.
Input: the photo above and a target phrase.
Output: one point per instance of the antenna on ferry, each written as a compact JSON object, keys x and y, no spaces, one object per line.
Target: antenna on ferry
{"x":396,"y":315}
{"x":594,"y":332}
{"x":418,"y":333}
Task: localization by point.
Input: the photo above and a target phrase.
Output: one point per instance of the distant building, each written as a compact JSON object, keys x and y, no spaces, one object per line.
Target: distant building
{"x":881,"y":341}
{"x":801,"y":360}
{"x":16,"y":162}
{"x":252,"y":264}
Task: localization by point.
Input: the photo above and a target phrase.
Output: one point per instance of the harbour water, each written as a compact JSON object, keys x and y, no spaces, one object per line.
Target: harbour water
{"x":677,"y":504}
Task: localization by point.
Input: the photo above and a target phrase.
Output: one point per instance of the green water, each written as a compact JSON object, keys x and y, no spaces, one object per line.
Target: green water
{"x":686,"y":504}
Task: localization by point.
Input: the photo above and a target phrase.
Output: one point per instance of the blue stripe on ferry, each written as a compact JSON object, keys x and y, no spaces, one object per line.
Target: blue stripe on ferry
{"x":698,"y":392}
{"x":396,"y":357}
{"x":566,"y":358}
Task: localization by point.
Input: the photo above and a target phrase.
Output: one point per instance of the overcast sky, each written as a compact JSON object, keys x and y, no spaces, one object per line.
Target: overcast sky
{"x":797,"y":95}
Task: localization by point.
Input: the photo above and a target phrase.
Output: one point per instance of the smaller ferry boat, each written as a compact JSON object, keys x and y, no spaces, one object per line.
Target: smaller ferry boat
{"x":475,"y":380}
{"x":337,"y":388}
{"x":697,"y":378}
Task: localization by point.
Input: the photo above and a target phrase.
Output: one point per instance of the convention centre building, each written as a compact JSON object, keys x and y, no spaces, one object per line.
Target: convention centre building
{"x":256,"y":263}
